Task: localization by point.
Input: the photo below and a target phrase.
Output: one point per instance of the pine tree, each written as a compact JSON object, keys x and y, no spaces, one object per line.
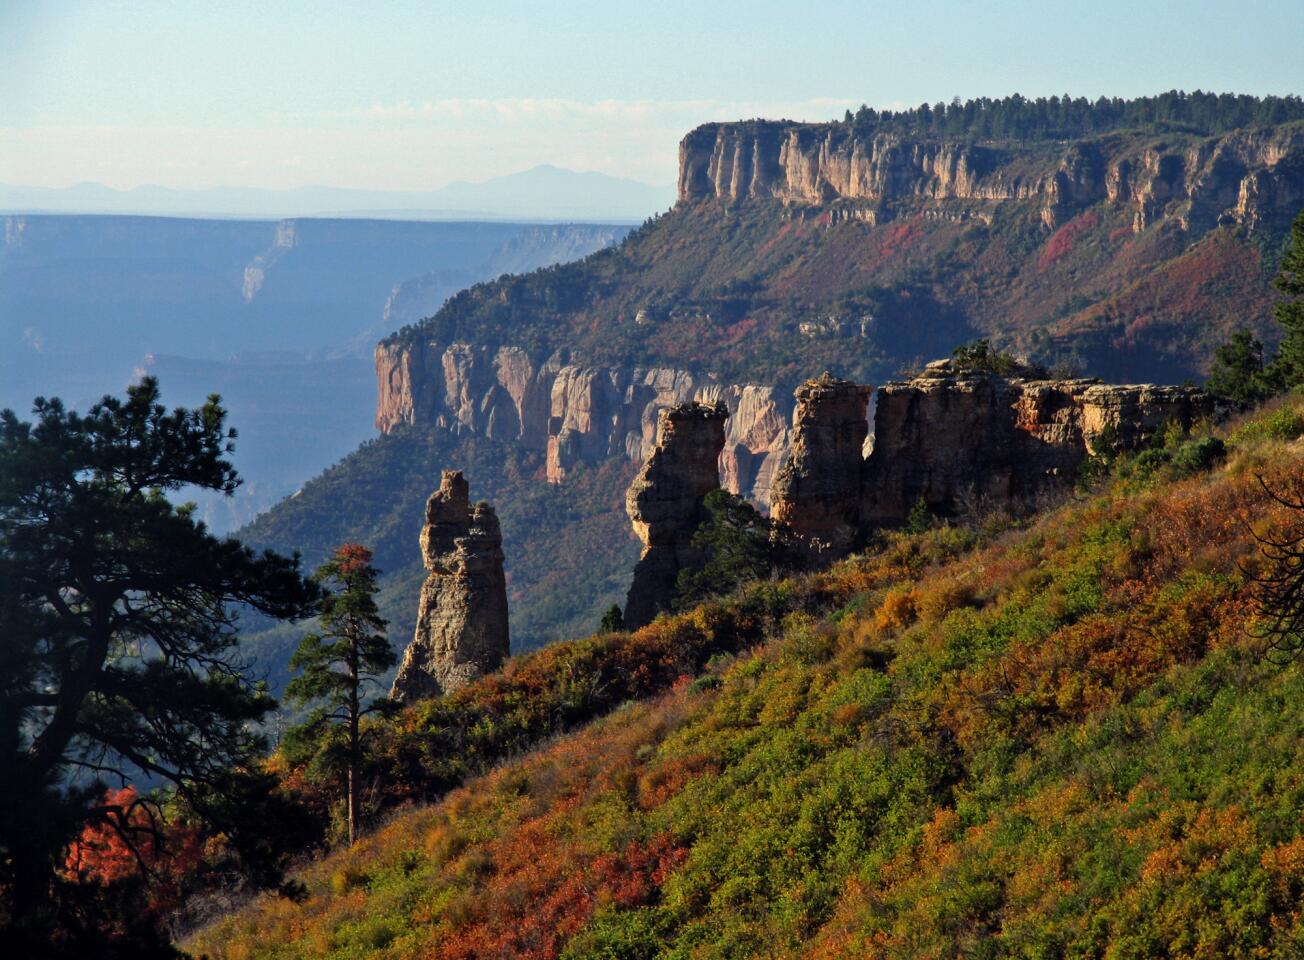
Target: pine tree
{"x":738,"y":545}
{"x":337,"y":665}
{"x":1287,"y":369}
{"x":1236,"y":374}
{"x":117,"y":639}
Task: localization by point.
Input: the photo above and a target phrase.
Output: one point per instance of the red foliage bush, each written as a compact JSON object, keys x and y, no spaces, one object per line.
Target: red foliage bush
{"x":1061,"y":241}
{"x":130,"y":842}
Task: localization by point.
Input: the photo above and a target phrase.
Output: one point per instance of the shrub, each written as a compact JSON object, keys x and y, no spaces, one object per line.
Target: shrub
{"x":1197,"y":455}
{"x":1286,"y":424}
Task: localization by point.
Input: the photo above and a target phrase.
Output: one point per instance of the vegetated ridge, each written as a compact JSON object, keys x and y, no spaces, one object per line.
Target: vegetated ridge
{"x":1053,"y":737}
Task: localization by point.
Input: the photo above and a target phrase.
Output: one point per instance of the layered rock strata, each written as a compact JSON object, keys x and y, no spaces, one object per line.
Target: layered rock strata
{"x":817,"y":493}
{"x":575,"y":414}
{"x":461,"y":630}
{"x":665,"y":502}
{"x":1198,"y":180}
{"x":958,"y":440}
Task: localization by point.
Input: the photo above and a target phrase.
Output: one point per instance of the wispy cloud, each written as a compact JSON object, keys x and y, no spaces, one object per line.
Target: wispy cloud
{"x":536,"y":108}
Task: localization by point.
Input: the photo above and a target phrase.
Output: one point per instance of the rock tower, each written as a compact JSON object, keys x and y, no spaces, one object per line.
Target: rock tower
{"x":665,"y":502}
{"x":461,"y":628}
{"x":817,"y":492}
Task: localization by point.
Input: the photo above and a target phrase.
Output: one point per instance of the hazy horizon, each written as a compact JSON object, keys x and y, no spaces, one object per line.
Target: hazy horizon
{"x":415,"y":97}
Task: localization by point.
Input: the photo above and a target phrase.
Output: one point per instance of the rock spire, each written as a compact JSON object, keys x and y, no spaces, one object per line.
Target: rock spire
{"x":461,"y":628}
{"x":665,"y":502}
{"x":817,"y":492}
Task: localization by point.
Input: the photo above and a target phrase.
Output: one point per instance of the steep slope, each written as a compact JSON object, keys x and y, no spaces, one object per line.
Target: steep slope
{"x":1056,"y":739}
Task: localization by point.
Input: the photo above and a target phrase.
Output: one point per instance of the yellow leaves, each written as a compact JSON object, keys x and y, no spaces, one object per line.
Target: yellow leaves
{"x":1199,"y":845}
{"x":897,"y":609}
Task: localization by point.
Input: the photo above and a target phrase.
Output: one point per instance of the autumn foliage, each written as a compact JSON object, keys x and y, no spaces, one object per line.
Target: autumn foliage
{"x":1053,"y":738}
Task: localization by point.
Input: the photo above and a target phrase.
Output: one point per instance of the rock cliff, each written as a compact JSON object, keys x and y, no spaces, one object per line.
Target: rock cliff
{"x":576,"y":413}
{"x":817,"y":493}
{"x":949,"y":437}
{"x":665,"y":502}
{"x":1194,"y":179}
{"x":461,"y":630}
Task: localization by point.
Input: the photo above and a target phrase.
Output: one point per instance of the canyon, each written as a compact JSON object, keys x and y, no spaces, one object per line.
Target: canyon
{"x":1129,"y":255}
{"x":797,"y":246}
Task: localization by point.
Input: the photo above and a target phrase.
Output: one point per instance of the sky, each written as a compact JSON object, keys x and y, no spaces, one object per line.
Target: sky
{"x":412,"y":96}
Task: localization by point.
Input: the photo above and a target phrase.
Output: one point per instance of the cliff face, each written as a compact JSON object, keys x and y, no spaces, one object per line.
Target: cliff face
{"x":577,"y":414}
{"x":664,"y":502}
{"x":1205,"y":180}
{"x":952,"y":439}
{"x":461,"y":628}
{"x":817,"y":493}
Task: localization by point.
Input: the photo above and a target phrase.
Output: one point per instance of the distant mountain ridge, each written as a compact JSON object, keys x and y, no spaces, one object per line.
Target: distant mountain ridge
{"x":542,"y":193}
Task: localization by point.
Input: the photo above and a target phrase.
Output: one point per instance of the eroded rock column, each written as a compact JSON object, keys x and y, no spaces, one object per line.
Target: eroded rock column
{"x":816,"y":495}
{"x":461,"y":631}
{"x":665,"y":502}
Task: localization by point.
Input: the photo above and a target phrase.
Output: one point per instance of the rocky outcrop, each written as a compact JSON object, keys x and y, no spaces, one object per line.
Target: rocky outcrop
{"x":1203,"y":179}
{"x":461,"y":628}
{"x":817,"y":493}
{"x":665,"y":502}
{"x":953,"y":438}
{"x":575,"y":413}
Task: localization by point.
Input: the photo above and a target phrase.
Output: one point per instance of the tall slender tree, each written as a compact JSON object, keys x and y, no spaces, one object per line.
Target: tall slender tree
{"x":338,"y":664}
{"x":1287,"y":369}
{"x":117,"y":636}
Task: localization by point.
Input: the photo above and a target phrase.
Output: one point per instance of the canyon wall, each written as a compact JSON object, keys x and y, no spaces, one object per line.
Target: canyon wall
{"x":1202,"y":181}
{"x":461,"y":630}
{"x":574,"y":413}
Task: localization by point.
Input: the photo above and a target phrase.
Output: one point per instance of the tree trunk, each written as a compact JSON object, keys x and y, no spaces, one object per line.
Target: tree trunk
{"x":355,"y":760}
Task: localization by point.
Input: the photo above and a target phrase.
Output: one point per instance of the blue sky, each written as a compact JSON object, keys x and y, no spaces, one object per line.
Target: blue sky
{"x":414,"y":95}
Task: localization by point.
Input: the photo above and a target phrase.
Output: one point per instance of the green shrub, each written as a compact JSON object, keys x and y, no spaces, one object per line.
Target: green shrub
{"x":1286,"y":423}
{"x":1197,"y":455}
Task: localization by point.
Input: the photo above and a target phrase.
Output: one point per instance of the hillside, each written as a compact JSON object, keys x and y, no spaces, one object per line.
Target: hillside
{"x":798,"y":246}
{"x":1051,"y":738}
{"x":1129,"y":250}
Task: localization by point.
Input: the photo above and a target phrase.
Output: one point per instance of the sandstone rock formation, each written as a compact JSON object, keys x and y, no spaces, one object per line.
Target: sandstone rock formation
{"x":577,"y":414}
{"x":817,"y":493}
{"x":665,"y":502}
{"x":952,"y":437}
{"x":1200,"y":181}
{"x":461,"y":628}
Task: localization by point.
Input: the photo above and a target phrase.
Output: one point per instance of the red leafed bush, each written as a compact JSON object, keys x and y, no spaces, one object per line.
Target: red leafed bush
{"x":1061,"y":241}
{"x":130,"y":842}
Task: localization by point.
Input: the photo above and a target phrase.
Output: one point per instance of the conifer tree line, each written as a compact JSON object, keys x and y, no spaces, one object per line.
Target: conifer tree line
{"x":1066,"y":117}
